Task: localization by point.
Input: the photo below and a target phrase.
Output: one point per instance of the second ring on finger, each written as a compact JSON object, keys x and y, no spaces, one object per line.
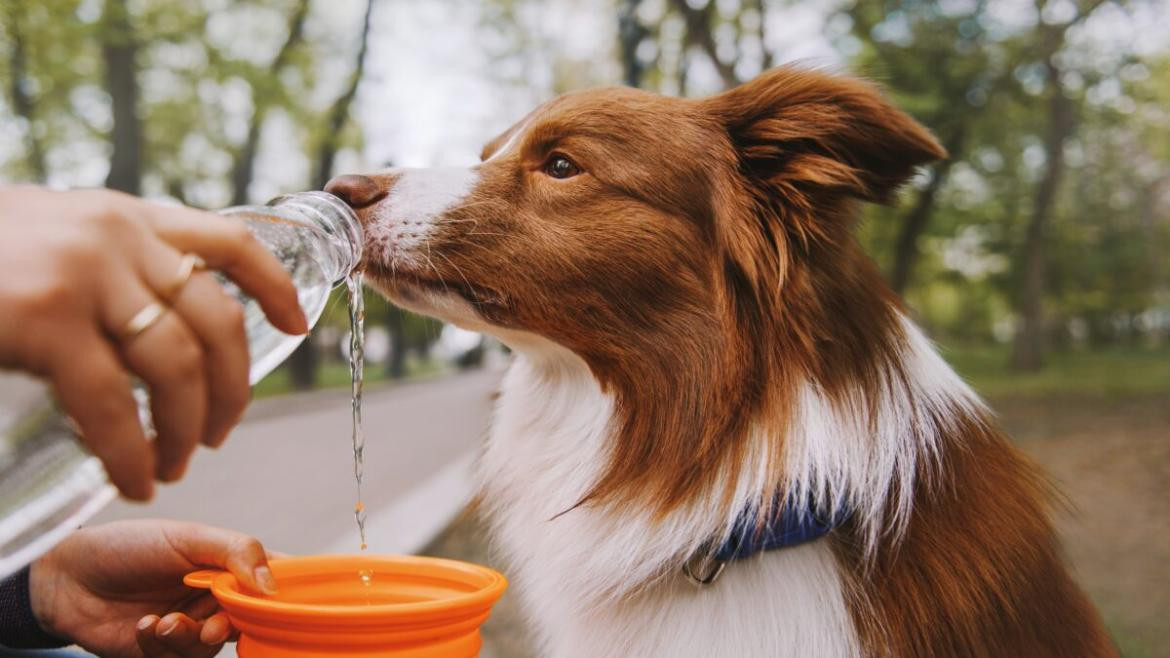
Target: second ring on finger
{"x":217,"y":321}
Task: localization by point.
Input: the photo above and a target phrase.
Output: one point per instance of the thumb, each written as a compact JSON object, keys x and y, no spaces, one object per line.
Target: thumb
{"x":242,"y":555}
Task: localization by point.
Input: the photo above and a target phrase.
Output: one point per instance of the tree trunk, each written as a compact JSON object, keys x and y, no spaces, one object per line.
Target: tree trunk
{"x":1028,"y":351}
{"x":242,"y":168}
{"x":698,"y":32}
{"x":1159,"y":281}
{"x":630,"y":34}
{"x":769,"y":59}
{"x":396,"y":364}
{"x":176,"y":189}
{"x":119,"y":51}
{"x":906,"y":250}
{"x":684,"y":62}
{"x":304,"y":362}
{"x":339,"y":112}
{"x":22,"y":103}
{"x":302,"y":365}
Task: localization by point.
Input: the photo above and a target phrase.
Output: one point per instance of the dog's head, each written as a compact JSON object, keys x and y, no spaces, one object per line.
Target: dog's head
{"x":697,"y":251}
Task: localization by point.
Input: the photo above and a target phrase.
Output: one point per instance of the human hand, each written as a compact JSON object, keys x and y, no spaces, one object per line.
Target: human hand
{"x":76,"y":266}
{"x":104,"y":587}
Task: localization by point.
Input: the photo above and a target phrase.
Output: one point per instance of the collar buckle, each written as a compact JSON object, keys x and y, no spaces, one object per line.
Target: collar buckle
{"x":703,"y":568}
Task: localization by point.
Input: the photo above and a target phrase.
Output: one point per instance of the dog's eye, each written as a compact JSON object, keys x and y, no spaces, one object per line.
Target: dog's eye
{"x":558,"y":166}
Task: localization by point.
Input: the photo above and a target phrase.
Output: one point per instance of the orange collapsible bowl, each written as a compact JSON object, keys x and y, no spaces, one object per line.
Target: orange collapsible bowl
{"x":412,"y":607}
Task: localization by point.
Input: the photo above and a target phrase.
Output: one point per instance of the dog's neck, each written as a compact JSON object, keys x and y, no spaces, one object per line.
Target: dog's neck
{"x":554,"y":423}
{"x":917,"y":461}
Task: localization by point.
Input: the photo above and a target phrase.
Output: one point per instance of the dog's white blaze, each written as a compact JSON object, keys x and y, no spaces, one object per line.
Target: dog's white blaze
{"x":412,"y":210}
{"x":603,"y":583}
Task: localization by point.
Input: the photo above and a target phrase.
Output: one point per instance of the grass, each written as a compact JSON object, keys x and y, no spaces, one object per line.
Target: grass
{"x":335,"y":375}
{"x":1115,"y":372}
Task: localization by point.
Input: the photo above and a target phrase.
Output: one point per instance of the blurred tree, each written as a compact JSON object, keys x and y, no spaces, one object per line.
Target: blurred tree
{"x":1028,"y":349}
{"x":700,"y":19}
{"x":631,"y":32}
{"x":119,"y":54}
{"x":338,"y":113}
{"x":990,"y":237}
{"x":944,"y":81}
{"x":214,"y":86}
{"x":304,"y":362}
{"x":265,"y":92}
{"x":395,"y":323}
{"x":18,"y":87}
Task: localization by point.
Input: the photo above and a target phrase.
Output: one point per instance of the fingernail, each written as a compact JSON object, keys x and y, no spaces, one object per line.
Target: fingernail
{"x":265,"y":580}
{"x":145,"y":623}
{"x":166,"y":626}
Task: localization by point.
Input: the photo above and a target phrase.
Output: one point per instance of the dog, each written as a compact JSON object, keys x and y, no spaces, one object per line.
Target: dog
{"x":705,"y":360}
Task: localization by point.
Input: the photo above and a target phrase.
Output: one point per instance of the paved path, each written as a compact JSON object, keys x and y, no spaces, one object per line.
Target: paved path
{"x":286,"y":474}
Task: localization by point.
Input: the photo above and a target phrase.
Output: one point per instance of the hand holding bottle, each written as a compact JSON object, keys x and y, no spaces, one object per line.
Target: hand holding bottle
{"x":95,"y":287}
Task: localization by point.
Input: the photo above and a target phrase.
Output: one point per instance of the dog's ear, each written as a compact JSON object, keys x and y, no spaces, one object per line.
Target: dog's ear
{"x":811,"y":137}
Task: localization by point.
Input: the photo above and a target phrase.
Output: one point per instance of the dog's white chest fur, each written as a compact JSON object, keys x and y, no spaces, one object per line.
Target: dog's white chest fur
{"x":607,"y":586}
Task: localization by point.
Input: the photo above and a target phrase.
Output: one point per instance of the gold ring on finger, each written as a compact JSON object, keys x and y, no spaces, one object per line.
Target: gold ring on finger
{"x":142,"y":320}
{"x":187,"y":266}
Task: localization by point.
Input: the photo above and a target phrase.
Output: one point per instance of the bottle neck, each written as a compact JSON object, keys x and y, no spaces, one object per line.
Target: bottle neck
{"x":336,"y":220}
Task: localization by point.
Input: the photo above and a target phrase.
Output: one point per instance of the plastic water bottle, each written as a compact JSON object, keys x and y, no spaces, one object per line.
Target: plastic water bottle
{"x":49,"y":483}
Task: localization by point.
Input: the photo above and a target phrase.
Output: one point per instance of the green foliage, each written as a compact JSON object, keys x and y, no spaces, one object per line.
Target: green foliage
{"x":974,"y":73}
{"x":1109,"y":242}
{"x":976,"y":79}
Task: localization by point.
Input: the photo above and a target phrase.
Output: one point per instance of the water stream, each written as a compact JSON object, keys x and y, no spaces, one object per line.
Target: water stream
{"x":357,"y":321}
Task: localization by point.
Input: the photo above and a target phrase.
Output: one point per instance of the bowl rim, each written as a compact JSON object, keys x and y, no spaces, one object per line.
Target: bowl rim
{"x":475,"y":601}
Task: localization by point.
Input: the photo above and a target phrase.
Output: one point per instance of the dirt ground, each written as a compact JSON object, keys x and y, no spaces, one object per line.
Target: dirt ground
{"x":1109,"y":456}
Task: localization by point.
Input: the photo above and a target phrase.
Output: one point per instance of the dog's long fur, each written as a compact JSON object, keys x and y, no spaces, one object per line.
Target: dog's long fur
{"x":697,"y":333}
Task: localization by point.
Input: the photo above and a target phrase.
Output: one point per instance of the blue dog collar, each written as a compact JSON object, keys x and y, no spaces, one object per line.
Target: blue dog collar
{"x":788,"y":525}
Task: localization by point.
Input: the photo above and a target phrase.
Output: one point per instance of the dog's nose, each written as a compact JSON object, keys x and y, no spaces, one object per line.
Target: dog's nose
{"x":358,"y":191}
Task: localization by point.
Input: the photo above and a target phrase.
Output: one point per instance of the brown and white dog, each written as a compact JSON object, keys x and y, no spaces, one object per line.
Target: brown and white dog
{"x":698,"y":335}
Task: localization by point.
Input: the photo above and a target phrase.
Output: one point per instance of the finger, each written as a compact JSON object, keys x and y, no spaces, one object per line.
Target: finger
{"x":169,"y":359}
{"x":144,"y":632}
{"x":217,"y":321}
{"x":180,"y":634}
{"x":216,"y":630}
{"x":94,"y":389}
{"x":227,"y":245}
{"x":201,"y":607}
{"x":240,"y":554}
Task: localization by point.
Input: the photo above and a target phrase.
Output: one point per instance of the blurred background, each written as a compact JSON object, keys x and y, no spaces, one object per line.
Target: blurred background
{"x":1038,"y":255}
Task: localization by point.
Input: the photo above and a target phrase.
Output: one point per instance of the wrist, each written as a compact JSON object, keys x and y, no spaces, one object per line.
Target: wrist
{"x":42,"y":594}
{"x":20,"y":627}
